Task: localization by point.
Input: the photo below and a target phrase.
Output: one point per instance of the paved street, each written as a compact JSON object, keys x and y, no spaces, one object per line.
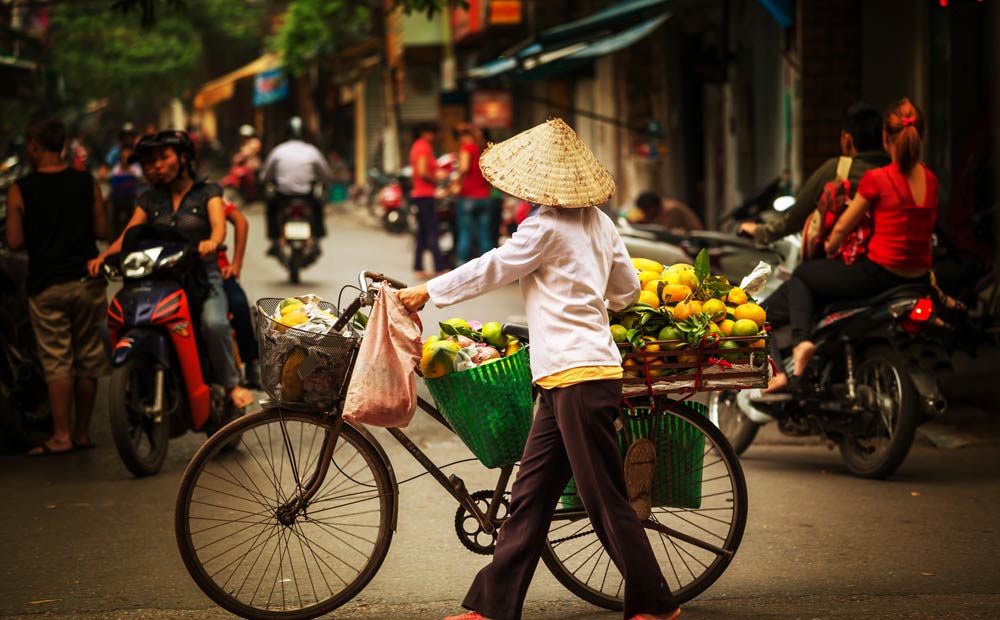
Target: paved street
{"x":82,"y":539}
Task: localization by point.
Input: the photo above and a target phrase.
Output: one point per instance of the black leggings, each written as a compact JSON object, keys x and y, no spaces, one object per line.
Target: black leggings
{"x":819,"y":282}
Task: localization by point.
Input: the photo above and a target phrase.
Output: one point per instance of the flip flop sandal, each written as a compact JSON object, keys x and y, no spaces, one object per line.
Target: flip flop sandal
{"x":471,"y":615}
{"x":47,"y":451}
{"x":670,"y":616}
{"x":640,"y":461}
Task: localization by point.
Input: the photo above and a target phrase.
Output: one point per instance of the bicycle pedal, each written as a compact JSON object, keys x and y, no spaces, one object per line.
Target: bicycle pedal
{"x":457,"y":483}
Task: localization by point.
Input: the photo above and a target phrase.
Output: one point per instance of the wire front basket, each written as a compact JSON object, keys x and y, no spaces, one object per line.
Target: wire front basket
{"x":302,"y":368}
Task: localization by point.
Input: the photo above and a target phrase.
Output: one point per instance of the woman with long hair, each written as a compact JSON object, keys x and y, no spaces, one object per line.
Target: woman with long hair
{"x":902,"y":199}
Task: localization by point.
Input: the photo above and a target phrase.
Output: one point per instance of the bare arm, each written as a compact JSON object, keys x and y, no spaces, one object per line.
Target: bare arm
{"x":15,"y":219}
{"x":94,"y":266}
{"x":241,"y":228}
{"x":100,"y":215}
{"x":423,"y":169}
{"x":847,"y":222}
{"x":217,"y":218}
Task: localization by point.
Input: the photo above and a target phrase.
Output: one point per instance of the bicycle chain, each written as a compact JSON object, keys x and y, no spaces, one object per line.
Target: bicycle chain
{"x":471,"y":539}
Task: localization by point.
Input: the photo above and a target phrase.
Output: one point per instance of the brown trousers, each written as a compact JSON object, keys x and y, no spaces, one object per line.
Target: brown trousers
{"x":573,"y":435}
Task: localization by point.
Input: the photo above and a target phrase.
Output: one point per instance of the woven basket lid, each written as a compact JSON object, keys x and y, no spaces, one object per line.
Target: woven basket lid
{"x":548,"y":165}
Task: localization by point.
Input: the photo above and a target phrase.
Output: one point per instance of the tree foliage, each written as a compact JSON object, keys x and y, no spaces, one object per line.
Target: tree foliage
{"x":313,"y":28}
{"x":101,"y":55}
{"x":147,"y":9}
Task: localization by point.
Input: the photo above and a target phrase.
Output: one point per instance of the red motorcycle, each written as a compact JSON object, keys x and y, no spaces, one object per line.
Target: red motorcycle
{"x":161,"y":383}
{"x":239,"y":186}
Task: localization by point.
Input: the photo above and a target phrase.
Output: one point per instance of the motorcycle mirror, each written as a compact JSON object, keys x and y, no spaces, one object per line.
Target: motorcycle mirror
{"x":783,"y":203}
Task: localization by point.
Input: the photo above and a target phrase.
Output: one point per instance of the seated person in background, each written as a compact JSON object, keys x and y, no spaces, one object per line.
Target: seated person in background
{"x":861,"y":140}
{"x":671,"y":214}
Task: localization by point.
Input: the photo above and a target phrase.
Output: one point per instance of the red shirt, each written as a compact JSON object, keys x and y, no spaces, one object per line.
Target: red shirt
{"x":223,"y":259}
{"x":473,"y":184}
{"x":422,"y":188}
{"x":902,"y":229}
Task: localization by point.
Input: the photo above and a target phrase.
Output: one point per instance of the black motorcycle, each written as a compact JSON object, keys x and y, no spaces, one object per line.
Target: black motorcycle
{"x":298,"y":245}
{"x":870,"y":384}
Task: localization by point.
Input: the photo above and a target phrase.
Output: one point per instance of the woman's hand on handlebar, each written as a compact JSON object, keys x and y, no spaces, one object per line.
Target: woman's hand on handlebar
{"x":414,"y":298}
{"x":748,"y":229}
{"x":94,"y":266}
{"x":207,"y":247}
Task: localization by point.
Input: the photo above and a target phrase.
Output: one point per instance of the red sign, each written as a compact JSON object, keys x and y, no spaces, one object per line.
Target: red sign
{"x":505,"y":12}
{"x":492,"y":109}
{"x":466,"y":22}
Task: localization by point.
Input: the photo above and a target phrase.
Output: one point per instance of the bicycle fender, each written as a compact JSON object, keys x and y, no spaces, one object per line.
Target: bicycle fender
{"x":138,"y":342}
{"x":388,"y":465}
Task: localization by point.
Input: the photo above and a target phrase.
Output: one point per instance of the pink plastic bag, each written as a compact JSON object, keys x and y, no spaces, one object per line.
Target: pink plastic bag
{"x":383,"y":390}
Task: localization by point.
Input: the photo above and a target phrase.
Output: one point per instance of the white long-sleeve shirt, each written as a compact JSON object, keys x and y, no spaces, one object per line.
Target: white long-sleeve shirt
{"x":568,"y":261}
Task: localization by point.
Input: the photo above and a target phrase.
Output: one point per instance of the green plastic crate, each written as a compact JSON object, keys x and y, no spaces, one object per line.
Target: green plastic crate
{"x":489,"y":407}
{"x":680,"y":451}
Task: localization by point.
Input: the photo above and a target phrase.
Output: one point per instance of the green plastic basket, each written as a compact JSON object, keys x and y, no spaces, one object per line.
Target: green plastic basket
{"x":680,"y":452}
{"x":489,"y":407}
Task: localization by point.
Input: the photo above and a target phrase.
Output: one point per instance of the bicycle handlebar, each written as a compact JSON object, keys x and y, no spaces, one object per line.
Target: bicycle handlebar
{"x":365,"y":277}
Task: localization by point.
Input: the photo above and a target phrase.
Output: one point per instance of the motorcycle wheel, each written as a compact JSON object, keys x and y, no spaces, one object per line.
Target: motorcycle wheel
{"x":295,"y":266}
{"x":140,"y":440}
{"x":734,"y":424}
{"x":394,"y":221}
{"x":886,"y":383}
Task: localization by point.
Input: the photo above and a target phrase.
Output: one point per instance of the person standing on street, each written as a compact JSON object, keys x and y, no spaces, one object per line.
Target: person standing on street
{"x":572,"y":266}
{"x":425,"y":178}
{"x":474,"y":217}
{"x":295,"y":167}
{"x":57,"y":214}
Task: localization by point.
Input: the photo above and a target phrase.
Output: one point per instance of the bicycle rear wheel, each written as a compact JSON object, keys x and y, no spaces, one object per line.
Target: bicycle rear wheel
{"x":241,"y":549}
{"x":693,"y":546}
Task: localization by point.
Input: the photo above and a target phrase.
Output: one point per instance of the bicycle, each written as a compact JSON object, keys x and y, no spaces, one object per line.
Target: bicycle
{"x":316,"y":498}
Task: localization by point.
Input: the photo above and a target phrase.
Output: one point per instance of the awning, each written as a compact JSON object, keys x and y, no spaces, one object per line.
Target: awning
{"x":221,"y":88}
{"x":780,"y":10}
{"x":564,"y":47}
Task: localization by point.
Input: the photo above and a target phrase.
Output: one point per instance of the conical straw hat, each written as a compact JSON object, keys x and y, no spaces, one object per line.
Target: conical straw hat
{"x":548,"y":165}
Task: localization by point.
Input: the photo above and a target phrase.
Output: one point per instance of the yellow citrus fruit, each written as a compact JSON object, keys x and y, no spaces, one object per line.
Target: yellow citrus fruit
{"x":652,"y":286}
{"x":645,"y":277}
{"x":619,"y":333}
{"x":293,"y":318}
{"x":745,"y":327}
{"x":647,"y":297}
{"x":687,"y":278}
{"x":751,"y":311}
{"x":680,"y":267}
{"x":687,"y":309}
{"x":716,"y":308}
{"x":736,"y":296}
{"x":673,"y":293}
{"x":644,"y":264}
{"x":291,"y":306}
{"x":670,"y":277}
{"x":726,"y":325}
{"x":628,"y":321}
{"x":632,"y":368}
{"x":650,"y":347}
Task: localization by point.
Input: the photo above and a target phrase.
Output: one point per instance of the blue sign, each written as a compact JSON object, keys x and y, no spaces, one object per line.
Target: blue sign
{"x":269,"y":87}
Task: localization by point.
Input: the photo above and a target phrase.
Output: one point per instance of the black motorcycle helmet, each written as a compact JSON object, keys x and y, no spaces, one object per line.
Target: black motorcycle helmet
{"x":146,"y":145}
{"x":182,"y":144}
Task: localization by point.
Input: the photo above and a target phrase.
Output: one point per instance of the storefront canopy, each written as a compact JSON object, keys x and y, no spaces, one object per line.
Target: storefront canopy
{"x":562,"y":48}
{"x":221,"y":88}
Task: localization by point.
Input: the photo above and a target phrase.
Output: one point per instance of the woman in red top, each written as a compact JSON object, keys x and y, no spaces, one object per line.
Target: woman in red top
{"x":425,"y":178}
{"x":902,"y":198}
{"x":474,"y":217}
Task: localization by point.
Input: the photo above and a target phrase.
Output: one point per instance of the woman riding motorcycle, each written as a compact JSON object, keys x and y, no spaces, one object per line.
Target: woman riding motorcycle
{"x":902,"y":199}
{"x":194,"y":207}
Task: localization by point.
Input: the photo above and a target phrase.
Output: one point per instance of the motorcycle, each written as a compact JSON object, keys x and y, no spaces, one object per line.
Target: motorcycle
{"x":162,"y":382}
{"x":869,"y":386}
{"x":297,"y":247}
{"x":239,"y":186}
{"x":387,"y":198}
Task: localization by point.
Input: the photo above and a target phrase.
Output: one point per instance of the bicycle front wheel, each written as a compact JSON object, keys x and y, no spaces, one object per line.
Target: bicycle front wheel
{"x":248,"y":552}
{"x":693,"y":540}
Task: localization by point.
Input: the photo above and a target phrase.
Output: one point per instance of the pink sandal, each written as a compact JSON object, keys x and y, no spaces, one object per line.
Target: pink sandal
{"x":469,"y":615}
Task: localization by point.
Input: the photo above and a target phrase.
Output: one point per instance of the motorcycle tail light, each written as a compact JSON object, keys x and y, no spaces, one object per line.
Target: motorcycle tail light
{"x":918,"y":315}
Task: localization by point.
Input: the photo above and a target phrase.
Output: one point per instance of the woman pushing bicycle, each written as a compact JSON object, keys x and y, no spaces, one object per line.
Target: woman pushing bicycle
{"x":572,"y":267}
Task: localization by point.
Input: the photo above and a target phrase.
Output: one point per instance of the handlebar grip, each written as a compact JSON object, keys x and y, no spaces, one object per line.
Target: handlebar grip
{"x":373,"y":276}
{"x":518,"y":331}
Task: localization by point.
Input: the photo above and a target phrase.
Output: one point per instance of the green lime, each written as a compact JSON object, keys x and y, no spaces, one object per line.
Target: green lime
{"x":493,"y":334}
{"x":671,"y":333}
{"x":619,"y":333}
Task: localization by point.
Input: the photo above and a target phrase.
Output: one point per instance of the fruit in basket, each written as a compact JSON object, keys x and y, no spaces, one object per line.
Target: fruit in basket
{"x":292,"y":388}
{"x":484,"y":353}
{"x":674,"y":293}
{"x":726,"y":325}
{"x":731,"y":344}
{"x":745,"y":327}
{"x":716,"y":308}
{"x":645,"y":277}
{"x":493,"y":335}
{"x":463,"y":341}
{"x":687,"y":309}
{"x":438,"y":359}
{"x":649,"y":298}
{"x":670,"y":332}
{"x":644,"y":264}
{"x":293,"y":318}
{"x":288,"y":304}
{"x":736,"y":296}
{"x":632,"y":368}
{"x":752,"y":312}
{"x":649,"y":346}
{"x":455,"y":323}
{"x":513,"y":346}
{"x":431,"y":340}
{"x":687,"y":278}
{"x":619,"y":333}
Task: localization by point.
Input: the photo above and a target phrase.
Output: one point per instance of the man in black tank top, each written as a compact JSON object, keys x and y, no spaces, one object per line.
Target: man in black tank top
{"x":57,"y":214}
